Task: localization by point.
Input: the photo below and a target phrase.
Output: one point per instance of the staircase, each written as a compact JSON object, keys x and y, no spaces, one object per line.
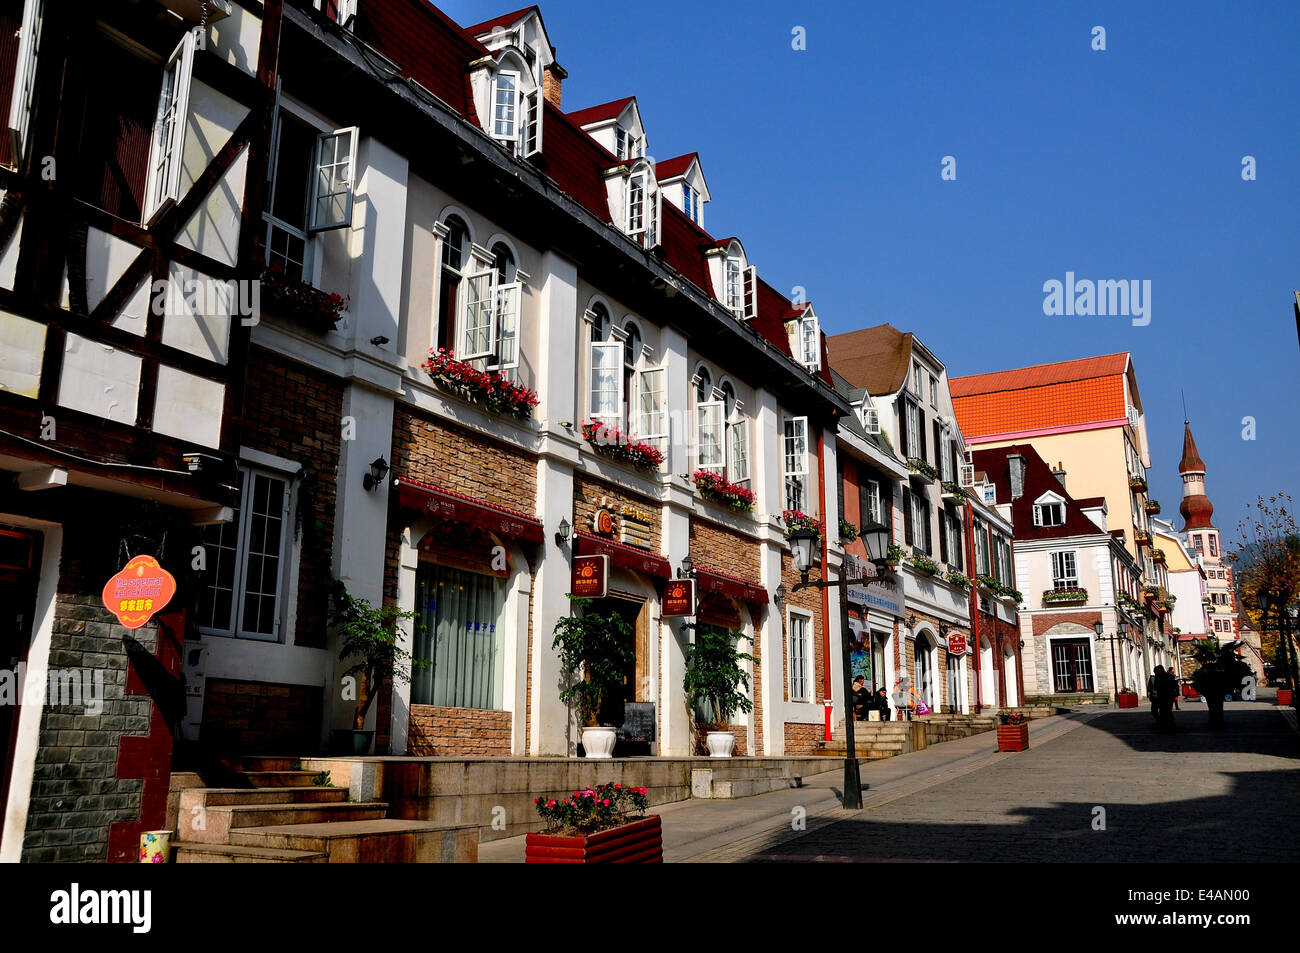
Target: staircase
{"x":1068,"y":700}
{"x":885,"y":739}
{"x":275,"y":812}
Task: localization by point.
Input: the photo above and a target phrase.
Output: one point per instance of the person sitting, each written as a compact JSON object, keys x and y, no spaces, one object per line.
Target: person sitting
{"x":861,"y":699}
{"x":882,"y":703}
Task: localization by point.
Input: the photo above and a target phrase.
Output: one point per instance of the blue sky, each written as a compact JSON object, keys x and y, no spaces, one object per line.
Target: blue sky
{"x":1122,"y":164}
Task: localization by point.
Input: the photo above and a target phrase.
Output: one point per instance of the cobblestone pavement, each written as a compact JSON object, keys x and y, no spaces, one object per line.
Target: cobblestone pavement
{"x":1194,"y":795}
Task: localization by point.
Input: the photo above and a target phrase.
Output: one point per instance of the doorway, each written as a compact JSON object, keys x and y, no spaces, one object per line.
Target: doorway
{"x":954,"y":683}
{"x":636,"y":682}
{"x":19,"y":559}
{"x":1071,"y":665}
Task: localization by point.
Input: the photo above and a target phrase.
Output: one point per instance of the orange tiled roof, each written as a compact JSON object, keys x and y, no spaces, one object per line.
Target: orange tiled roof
{"x":1039,"y":375}
{"x":1039,"y":407}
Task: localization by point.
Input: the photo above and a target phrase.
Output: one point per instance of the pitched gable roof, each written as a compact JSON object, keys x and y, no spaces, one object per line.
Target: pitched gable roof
{"x":1039,"y":479}
{"x":1040,"y":375}
{"x":876,"y":358}
{"x":601,"y":113}
{"x":505,"y":20}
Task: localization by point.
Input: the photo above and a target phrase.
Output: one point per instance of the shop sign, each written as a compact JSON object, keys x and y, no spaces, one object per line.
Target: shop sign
{"x":142,"y":588}
{"x":604,"y":521}
{"x":879,"y":595}
{"x":635,"y":526}
{"x":590,"y":577}
{"x":679,"y":597}
{"x":956,"y":645}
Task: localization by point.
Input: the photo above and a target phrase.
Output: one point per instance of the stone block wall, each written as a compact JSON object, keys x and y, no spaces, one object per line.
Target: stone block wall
{"x":445,"y":732}
{"x":241,"y":717}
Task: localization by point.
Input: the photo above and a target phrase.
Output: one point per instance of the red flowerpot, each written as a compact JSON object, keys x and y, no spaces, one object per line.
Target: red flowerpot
{"x":1127,"y":699}
{"x":640,"y":842}
{"x":1013,"y":737}
{"x":1284,"y":696}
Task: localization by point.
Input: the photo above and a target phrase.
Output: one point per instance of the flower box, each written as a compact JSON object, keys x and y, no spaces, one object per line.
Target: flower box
{"x":848,"y":532}
{"x":626,"y":447}
{"x":639,"y":842}
{"x":293,"y":298}
{"x":1127,"y":699}
{"x":1152,"y":507}
{"x":959,"y":580}
{"x":1013,"y":737}
{"x":1065,"y":596}
{"x":1138,"y":485}
{"x":925,"y":565}
{"x":917,"y":465}
{"x":714,"y":488}
{"x":499,"y":394}
{"x":797,"y":519}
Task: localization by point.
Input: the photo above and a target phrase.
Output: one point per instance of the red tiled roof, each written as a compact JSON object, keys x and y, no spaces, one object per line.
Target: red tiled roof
{"x":675,"y":166}
{"x":505,"y":20}
{"x":1039,"y":375}
{"x":1052,"y":405}
{"x":610,"y":110}
{"x":426,"y":45}
{"x":576,"y":162}
{"x":1039,"y":479}
{"x":1191,"y":457}
{"x":683,"y":243}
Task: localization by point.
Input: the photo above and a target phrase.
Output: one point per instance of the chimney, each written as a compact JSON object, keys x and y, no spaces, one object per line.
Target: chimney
{"x":1059,"y":473}
{"x":552,"y":79}
{"x":1017,"y":466}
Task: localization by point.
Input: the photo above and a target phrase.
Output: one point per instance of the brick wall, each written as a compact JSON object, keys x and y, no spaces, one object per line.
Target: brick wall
{"x":469,"y":732}
{"x":722,"y":549}
{"x":296,"y":413}
{"x":261,"y":717}
{"x":803,"y":739}
{"x":587,"y":494}
{"x":811,"y":601}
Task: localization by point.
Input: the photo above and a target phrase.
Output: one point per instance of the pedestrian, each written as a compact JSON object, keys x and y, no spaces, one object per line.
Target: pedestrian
{"x":1178,"y":688}
{"x":862,"y":700}
{"x":1152,"y":685}
{"x":1166,"y":691}
{"x":882,"y":703}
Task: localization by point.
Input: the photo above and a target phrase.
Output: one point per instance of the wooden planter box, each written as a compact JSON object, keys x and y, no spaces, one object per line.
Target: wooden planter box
{"x":1013,"y":737}
{"x":640,"y":842}
{"x":1127,"y":699}
{"x":1284,"y":696}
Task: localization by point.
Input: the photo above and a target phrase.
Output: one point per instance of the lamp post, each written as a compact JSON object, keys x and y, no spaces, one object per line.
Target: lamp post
{"x":801,"y":544}
{"x":1122,"y":633}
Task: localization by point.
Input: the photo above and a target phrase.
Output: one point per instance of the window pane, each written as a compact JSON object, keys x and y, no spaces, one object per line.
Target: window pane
{"x":262,"y":573}
{"x":460,"y":632}
{"x":220,"y":545}
{"x":292,"y":172}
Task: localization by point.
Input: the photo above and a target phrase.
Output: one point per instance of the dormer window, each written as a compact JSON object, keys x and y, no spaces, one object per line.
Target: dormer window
{"x":517,"y":111}
{"x":627,"y":145}
{"x":643,"y":209}
{"x":1049,"y":510}
{"x":734,"y":301}
{"x":691,"y":204}
{"x":870,"y":419}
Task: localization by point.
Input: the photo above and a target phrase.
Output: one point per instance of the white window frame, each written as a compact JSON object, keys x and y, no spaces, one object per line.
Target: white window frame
{"x":476,"y":321}
{"x":287,"y":561}
{"x":749,"y":293}
{"x":912,"y":421}
{"x":530,"y":138}
{"x":810,"y":355}
{"x":870,"y":420}
{"x":651,"y":403}
{"x":162,"y":188}
{"x":508,"y":301}
{"x":688,"y":202}
{"x":1065,"y":569}
{"x":1041,"y":510}
{"x":799,"y":686}
{"x":738,"y":449}
{"x":510,"y":135}
{"x":613,"y":351}
{"x":710,"y":418}
{"x":325,"y":186}
{"x":733,"y":286}
{"x":24,"y":88}
{"x":875,"y":504}
{"x":794,"y":459}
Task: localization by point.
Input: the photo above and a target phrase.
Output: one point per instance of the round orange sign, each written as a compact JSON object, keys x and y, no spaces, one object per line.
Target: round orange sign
{"x":142,"y":588}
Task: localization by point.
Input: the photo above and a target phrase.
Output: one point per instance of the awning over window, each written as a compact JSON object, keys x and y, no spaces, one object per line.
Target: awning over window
{"x":729,"y":586}
{"x":509,"y":524}
{"x":629,"y":557}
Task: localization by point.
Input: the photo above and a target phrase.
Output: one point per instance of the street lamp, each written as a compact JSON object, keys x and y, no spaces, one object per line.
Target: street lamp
{"x":802,"y":541}
{"x":876,"y":539}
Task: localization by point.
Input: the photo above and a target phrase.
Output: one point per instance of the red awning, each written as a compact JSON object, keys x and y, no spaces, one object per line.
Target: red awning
{"x":510,"y":524}
{"x":730,"y":586}
{"x":629,"y":557}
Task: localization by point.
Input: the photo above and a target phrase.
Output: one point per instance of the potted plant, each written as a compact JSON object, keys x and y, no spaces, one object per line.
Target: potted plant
{"x":603,"y":824}
{"x":923,"y":467}
{"x":1126,"y":698}
{"x":294,"y":298}
{"x":848,"y":532}
{"x":500,"y":394}
{"x":960,"y":580}
{"x":611,"y":441}
{"x":368,"y":635}
{"x":595,"y":650}
{"x":925,"y":564}
{"x":714,"y":487}
{"x":714,"y":676}
{"x":1219,"y":673}
{"x":797,"y":519}
{"x":1065,"y":595}
{"x":894,"y":555}
{"x":1013,"y":731}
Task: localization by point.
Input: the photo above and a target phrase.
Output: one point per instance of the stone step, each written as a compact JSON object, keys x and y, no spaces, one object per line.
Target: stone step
{"x":280,"y":779}
{"x":747,"y":787}
{"x":220,"y":822}
{"x":833,"y":750}
{"x":262,"y":763}
{"x":370,"y":841}
{"x":220,"y":797}
{"x":191,"y":853}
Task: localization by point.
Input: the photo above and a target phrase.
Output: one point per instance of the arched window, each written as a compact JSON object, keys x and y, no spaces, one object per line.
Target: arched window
{"x":631,"y":357}
{"x":455,"y":256}
{"x":606,"y":394}
{"x":505,"y":263}
{"x":728,"y":399}
{"x":600,"y":323}
{"x":703,"y":385}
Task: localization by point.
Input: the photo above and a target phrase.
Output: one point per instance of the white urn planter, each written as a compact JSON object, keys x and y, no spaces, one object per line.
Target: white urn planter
{"x":599,"y":742}
{"x":720,"y":744}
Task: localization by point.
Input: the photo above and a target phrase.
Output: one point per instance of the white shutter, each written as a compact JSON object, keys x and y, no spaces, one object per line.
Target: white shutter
{"x":710,"y":450}
{"x":532,"y":123}
{"x":653,"y":208}
{"x":476,"y":318}
{"x":607,"y":381}
{"x":331,"y":192}
{"x":165,"y":148}
{"x":651,"y":420}
{"x":749,"y":293}
{"x":1038,"y":516}
{"x":20,"y":105}
{"x":738,"y":452}
{"x":507,"y":326}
